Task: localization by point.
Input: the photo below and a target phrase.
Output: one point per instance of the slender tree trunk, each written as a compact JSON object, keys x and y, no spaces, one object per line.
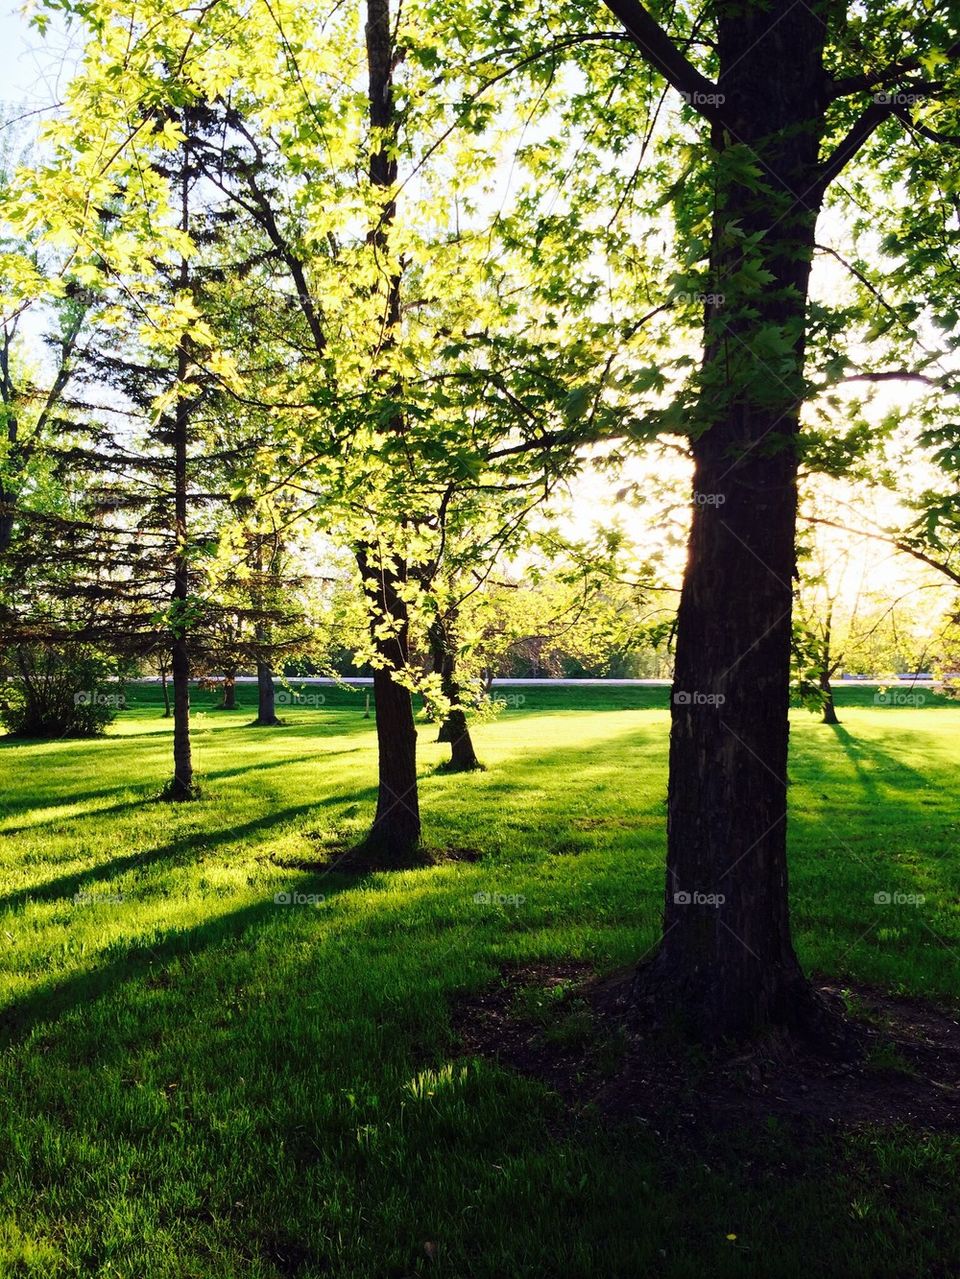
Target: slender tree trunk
{"x":726,"y":963}
{"x":266,"y":693}
{"x":454,"y":728}
{"x":826,"y":690}
{"x":165,"y":688}
{"x":829,"y":706}
{"x":229,"y":702}
{"x":396,"y":827}
{"x":182,"y":786}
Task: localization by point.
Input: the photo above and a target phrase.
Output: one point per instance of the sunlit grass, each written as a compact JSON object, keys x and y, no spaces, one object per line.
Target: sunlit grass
{"x":198,"y":1081}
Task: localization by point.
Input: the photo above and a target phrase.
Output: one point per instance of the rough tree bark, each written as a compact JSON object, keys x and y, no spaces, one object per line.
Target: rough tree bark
{"x":726,"y":965}
{"x":266,"y":697}
{"x":395,"y":834}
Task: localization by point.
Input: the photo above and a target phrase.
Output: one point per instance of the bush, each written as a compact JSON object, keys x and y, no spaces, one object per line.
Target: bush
{"x":58,"y":691}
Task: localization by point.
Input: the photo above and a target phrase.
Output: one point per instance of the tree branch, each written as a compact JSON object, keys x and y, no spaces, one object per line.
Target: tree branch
{"x":940,"y":565}
{"x":896,"y":375}
{"x":660,"y":52}
{"x":932,"y":135}
{"x":890,"y":74}
{"x":848,"y":147}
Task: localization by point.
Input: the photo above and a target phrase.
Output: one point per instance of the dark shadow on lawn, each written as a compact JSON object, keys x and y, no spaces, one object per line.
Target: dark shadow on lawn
{"x":895,"y":772}
{"x":190,"y":847}
{"x":50,"y":1002}
{"x":12,"y":808}
{"x":148,"y":795}
{"x":317,"y":758}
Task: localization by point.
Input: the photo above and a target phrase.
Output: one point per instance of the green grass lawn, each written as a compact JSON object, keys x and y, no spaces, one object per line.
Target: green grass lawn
{"x":198,"y":1081}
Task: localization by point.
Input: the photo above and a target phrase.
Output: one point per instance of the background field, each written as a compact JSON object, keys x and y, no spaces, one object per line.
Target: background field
{"x":198,"y":1081}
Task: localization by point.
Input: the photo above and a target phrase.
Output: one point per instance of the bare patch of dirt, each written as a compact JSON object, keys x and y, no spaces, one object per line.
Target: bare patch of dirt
{"x":602,"y":823}
{"x":556,"y":1023}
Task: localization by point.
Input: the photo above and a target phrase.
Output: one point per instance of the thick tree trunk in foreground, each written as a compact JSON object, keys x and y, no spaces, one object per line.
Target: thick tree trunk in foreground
{"x":396,"y":826}
{"x":454,"y":728}
{"x":726,"y":964}
{"x":395,"y":834}
{"x":266,"y":697}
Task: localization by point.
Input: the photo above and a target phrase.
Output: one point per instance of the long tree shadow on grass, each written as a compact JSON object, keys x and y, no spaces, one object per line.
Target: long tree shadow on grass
{"x":54,"y":999}
{"x":185,"y":849}
{"x":860,"y":751}
{"x":146,"y":796}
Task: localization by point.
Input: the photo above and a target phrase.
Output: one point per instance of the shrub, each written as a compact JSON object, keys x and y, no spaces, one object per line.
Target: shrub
{"x":58,"y":691}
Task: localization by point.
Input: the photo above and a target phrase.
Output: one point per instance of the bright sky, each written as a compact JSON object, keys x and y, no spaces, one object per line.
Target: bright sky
{"x":32,"y":68}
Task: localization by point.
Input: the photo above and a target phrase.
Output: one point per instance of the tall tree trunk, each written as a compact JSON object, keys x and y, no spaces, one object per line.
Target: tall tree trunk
{"x":395,"y":834}
{"x":454,"y":728}
{"x":266,"y":697}
{"x":726,"y":962}
{"x":182,"y":786}
{"x":165,"y":688}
